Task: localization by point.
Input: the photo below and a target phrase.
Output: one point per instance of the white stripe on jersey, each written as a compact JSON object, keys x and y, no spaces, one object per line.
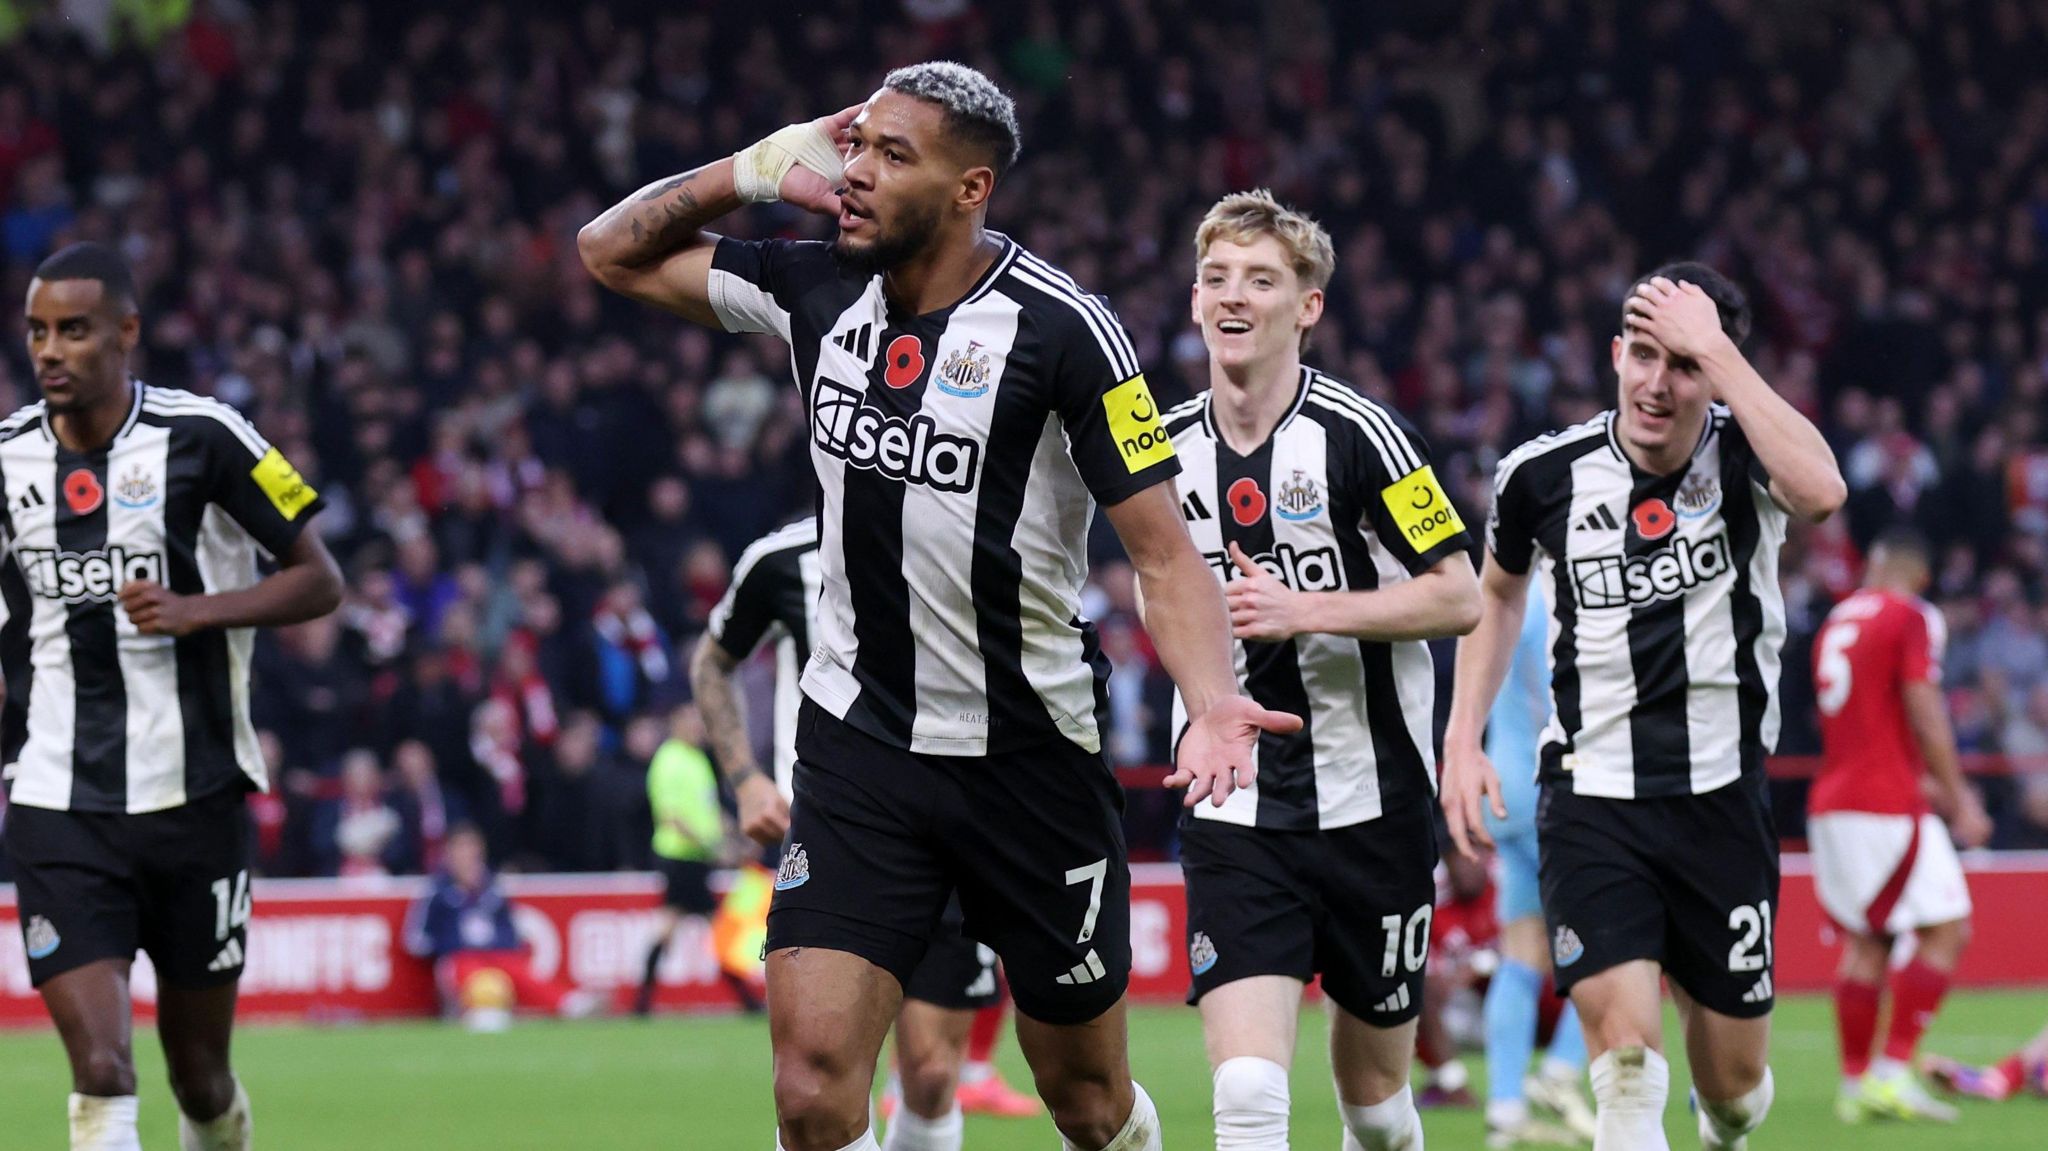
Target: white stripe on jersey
{"x":149,"y":664}
{"x":42,"y":776}
{"x":172,"y":402}
{"x":743,"y":307}
{"x":1393,"y":447}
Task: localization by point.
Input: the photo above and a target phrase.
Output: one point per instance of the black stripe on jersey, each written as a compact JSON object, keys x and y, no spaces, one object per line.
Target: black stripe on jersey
{"x":1658,"y":733}
{"x":205,"y":677}
{"x":1272,"y":671}
{"x":1745,"y":534}
{"x":99,"y":734}
{"x":16,"y":668}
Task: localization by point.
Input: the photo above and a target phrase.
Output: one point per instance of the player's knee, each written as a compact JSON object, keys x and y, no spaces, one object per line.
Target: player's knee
{"x":1251,"y":1102}
{"x":816,"y":1101}
{"x":929,"y":1079}
{"x":202,"y":1093}
{"x":104,"y":1071}
{"x":1943,"y":944}
{"x":1745,"y":1112}
{"x":1083,"y":1103}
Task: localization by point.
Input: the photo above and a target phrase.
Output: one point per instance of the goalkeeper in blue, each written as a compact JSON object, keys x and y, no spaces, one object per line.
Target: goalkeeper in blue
{"x":1513,"y":730}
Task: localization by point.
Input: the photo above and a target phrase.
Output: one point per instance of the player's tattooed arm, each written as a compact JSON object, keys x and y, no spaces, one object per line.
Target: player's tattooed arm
{"x":763,"y":813}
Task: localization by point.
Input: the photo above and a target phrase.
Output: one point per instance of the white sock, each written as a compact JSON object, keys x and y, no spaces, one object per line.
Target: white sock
{"x":977,"y":1071}
{"x":1141,"y":1130}
{"x":1630,"y":1085}
{"x":1885,"y":1069}
{"x":1392,"y":1124}
{"x":1451,"y":1076}
{"x":230,"y":1131}
{"x":866,"y":1142}
{"x":1558,"y":1070}
{"x":1251,"y":1105}
{"x":909,"y":1131}
{"x":103,"y":1123}
{"x":1722,"y":1124}
{"x":1506,"y":1112}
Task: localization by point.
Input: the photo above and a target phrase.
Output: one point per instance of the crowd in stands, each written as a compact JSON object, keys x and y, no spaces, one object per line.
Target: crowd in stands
{"x":355,"y":221}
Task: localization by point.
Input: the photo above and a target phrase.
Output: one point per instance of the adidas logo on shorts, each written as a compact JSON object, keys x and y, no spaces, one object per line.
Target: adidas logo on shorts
{"x":1761,"y":993}
{"x":230,"y":957}
{"x":1087,"y":971}
{"x":1398,"y":1001}
{"x":795,"y":870}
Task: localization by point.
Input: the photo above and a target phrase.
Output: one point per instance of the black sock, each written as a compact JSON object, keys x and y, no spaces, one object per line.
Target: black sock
{"x":644,"y":1002}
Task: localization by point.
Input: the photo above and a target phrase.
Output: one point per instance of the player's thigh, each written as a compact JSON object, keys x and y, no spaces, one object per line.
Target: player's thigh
{"x":1728,"y":1054}
{"x":828,"y":1011}
{"x":1369,"y":1062}
{"x":196,"y":1027}
{"x":1862,"y":864}
{"x":1621,"y":1006}
{"x":1720,"y":884}
{"x":1044,"y":877}
{"x":1375,"y":898}
{"x":192,"y":864}
{"x":861,"y":872}
{"x":75,"y":890}
{"x":1257,"y":1017}
{"x":1250,"y":916}
{"x":957,"y":973}
{"x":1602,"y":901}
{"x":1936,"y":893}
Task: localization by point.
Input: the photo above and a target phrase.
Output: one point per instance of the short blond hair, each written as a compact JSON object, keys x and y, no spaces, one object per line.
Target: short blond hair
{"x":1242,"y":217}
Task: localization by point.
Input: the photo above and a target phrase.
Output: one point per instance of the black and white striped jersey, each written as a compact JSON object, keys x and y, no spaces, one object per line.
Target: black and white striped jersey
{"x":1340,"y":497}
{"x":1666,"y":619}
{"x":960,"y":454}
{"x":186,"y":494}
{"x":774,"y":595}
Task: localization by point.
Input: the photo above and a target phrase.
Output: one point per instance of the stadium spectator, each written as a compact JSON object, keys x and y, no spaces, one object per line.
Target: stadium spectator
{"x":361,"y":232}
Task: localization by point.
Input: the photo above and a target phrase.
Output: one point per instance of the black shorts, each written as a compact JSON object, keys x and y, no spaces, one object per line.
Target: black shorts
{"x":687,"y":886}
{"x":1690,"y":881}
{"x":1032,"y":840}
{"x":1352,"y":904}
{"x":173,"y":883}
{"x":956,"y":972}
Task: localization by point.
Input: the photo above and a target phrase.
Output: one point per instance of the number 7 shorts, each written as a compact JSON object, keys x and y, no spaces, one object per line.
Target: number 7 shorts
{"x":1688,"y":881}
{"x":99,"y":885}
{"x":1032,"y":840}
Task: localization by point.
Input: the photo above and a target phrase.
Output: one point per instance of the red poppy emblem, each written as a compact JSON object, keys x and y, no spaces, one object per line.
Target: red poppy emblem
{"x":1247,"y":502}
{"x":1653,"y":519}
{"x":83,"y":493}
{"x":903,"y":362}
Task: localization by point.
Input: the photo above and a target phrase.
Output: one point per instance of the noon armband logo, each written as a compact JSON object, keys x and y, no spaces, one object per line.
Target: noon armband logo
{"x":1141,"y":440}
{"x":1421,"y":509}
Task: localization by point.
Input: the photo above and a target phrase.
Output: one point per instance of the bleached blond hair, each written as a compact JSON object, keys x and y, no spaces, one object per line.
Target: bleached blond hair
{"x":1242,"y":217}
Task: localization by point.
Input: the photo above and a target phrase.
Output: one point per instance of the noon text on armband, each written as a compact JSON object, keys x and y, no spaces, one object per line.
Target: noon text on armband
{"x":82,"y":577}
{"x":1632,"y":581}
{"x":913,"y":450}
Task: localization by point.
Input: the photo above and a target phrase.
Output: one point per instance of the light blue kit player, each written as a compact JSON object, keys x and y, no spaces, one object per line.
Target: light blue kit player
{"x":1514,"y":730}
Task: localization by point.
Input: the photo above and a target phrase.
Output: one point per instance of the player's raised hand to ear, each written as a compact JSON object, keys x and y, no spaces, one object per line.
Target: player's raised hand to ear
{"x":1261,"y":607}
{"x":1469,"y":780}
{"x":802,"y":164}
{"x":1214,"y":758}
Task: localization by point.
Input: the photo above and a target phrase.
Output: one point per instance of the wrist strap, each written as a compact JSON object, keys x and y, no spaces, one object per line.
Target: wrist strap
{"x":758,"y":169}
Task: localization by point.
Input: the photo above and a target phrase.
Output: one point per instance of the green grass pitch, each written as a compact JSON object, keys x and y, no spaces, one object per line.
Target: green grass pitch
{"x":702,"y":1083}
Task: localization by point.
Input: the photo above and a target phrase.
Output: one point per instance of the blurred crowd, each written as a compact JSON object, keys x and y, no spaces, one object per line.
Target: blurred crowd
{"x":356,"y":221}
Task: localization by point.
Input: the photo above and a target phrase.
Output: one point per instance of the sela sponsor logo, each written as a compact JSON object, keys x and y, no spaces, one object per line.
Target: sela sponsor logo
{"x":40,"y":937}
{"x":1699,"y":495}
{"x":795,"y":870}
{"x":1632,"y":581}
{"x":1201,"y":954}
{"x":136,"y":489}
{"x":913,"y":450}
{"x":965,"y":374}
{"x":87,"y":577}
{"x":1134,"y":424}
{"x":1305,"y":569}
{"x":1298,"y":498}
